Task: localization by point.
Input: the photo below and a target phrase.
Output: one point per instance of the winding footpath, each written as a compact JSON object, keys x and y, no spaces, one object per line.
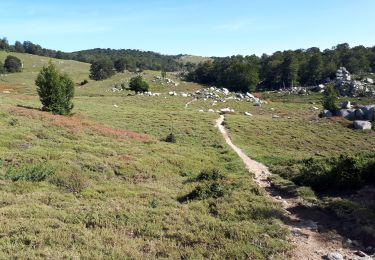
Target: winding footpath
{"x":309,"y":242}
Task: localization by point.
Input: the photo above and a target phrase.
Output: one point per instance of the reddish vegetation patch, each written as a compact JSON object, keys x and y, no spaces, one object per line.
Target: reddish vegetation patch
{"x":257,"y":94}
{"x":125,"y":157}
{"x":105,"y":130}
{"x":24,"y":97}
{"x":7,"y":86}
{"x":77,"y":123}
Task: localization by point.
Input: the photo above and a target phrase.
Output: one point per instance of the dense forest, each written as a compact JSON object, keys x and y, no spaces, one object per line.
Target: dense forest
{"x":284,"y":69}
{"x":133,"y":59}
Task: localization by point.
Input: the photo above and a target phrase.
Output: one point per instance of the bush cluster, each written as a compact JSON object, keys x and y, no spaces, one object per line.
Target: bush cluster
{"x":212,"y":186}
{"x":137,"y":84}
{"x":345,"y":172}
{"x":35,"y":173}
{"x":71,"y":182}
{"x":12,"y":64}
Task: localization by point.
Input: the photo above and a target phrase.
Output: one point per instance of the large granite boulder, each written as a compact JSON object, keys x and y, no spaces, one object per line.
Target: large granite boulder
{"x":326,"y":113}
{"x":368,"y":112}
{"x":346,"y":113}
{"x":359,"y":114}
{"x":362,"y":125}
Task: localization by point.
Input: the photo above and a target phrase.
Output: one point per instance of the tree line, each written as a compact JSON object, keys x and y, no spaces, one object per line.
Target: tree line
{"x":132,"y":60}
{"x":284,"y":68}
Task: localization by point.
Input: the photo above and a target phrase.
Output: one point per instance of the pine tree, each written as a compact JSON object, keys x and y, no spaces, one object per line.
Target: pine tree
{"x":55,"y":90}
{"x":330,"y":97}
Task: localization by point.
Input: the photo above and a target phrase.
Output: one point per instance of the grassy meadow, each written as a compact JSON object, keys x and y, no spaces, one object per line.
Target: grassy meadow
{"x":116,"y":189}
{"x":113,"y":187}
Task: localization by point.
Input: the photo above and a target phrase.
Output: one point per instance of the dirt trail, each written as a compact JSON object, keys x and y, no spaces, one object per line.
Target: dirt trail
{"x":309,"y":241}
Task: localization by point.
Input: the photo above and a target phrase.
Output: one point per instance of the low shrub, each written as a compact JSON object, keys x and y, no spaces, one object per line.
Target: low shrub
{"x":346,"y":172}
{"x":171,"y":138}
{"x":12,"y":64}
{"x":35,"y":173}
{"x":210,"y":175}
{"x":205,"y":191}
{"x":83,"y":82}
{"x":137,"y":84}
{"x":71,"y":182}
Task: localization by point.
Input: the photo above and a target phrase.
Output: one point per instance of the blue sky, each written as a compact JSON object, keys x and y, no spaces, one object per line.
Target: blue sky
{"x":200,"y":27}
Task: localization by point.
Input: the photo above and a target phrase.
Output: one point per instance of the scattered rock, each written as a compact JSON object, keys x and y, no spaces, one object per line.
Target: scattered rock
{"x":248,"y":114}
{"x":334,"y":256}
{"x":299,"y":232}
{"x":275,"y":116}
{"x":359,"y":114}
{"x":369,"y":112}
{"x":226,"y":110}
{"x":369,"y":80}
{"x":346,"y":113}
{"x":362,"y":125}
{"x":326,"y":113}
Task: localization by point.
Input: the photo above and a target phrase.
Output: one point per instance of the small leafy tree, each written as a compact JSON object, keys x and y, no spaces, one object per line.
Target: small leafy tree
{"x":100,"y":70}
{"x":137,"y":84}
{"x":55,"y":90}
{"x":120,"y":65}
{"x":329,"y":99}
{"x":12,"y":64}
{"x":163,"y":73}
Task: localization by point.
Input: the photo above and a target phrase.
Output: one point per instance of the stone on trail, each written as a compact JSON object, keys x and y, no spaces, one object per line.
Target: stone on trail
{"x":310,"y":224}
{"x":334,"y":256}
{"x":362,"y":125}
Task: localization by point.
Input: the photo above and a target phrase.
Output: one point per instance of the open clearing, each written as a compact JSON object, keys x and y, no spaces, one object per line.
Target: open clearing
{"x":132,"y":181}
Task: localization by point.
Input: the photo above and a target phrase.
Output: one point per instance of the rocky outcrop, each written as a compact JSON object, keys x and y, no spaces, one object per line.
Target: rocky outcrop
{"x":346,"y":86}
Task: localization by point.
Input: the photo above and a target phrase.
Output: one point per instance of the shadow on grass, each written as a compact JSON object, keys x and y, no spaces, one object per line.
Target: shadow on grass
{"x":340,"y":213}
{"x":29,"y":107}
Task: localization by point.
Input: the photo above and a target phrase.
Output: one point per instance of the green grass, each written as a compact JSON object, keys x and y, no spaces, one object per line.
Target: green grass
{"x":111,"y":196}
